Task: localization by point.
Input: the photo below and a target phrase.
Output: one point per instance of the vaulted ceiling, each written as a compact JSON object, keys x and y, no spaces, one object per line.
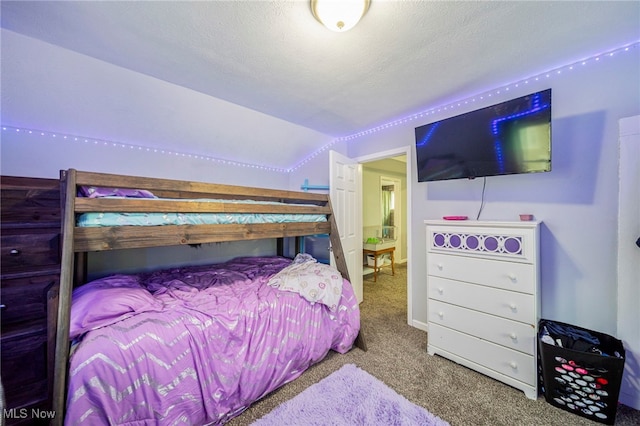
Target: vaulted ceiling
{"x":274,"y":57}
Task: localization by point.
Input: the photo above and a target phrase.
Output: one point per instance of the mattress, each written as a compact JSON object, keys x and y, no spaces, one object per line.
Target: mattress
{"x":94,"y":219}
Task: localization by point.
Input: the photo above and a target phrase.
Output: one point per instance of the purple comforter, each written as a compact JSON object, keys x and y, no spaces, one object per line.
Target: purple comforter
{"x":195,"y":345}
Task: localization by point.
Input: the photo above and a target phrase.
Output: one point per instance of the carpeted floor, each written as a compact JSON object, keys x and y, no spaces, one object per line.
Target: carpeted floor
{"x":397,"y":356}
{"x":350,"y":396}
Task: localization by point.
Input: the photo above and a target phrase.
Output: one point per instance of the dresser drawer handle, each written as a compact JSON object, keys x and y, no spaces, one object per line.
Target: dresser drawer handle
{"x":513,"y":365}
{"x":441,"y":315}
{"x":514,"y":337}
{"x":14,"y":252}
{"x":513,"y":307}
{"x":440,"y":290}
{"x":440,"y":266}
{"x":513,"y":278}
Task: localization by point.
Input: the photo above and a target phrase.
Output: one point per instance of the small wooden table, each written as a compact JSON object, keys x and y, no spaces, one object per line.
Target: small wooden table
{"x":375,"y":254}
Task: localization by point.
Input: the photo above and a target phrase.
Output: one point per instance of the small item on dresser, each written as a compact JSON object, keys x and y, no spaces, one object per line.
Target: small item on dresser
{"x":455,"y":217}
{"x":526,"y":217}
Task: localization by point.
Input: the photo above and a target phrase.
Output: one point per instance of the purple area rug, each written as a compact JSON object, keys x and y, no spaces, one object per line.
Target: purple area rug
{"x":349,"y":396}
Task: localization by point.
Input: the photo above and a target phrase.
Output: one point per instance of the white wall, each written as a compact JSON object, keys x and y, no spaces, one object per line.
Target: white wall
{"x":31,"y":154}
{"x":49,"y":88}
{"x":577,"y":201}
{"x":129,"y":119}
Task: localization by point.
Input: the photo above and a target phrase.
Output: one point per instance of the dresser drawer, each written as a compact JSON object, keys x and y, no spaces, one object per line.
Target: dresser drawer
{"x":506,"y":304}
{"x":30,"y":202}
{"x":493,"y":273}
{"x":508,"y":362}
{"x":28,"y":248}
{"x":512,"y":334}
{"x":24,"y":367}
{"x":25,"y":299}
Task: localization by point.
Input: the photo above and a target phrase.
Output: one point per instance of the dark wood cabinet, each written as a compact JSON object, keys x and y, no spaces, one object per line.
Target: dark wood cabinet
{"x":30,"y":277}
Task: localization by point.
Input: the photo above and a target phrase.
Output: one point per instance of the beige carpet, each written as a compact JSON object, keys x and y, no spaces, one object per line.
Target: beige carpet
{"x":397,"y":356}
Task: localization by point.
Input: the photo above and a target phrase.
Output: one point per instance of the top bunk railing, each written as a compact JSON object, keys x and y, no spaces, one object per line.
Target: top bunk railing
{"x":175,"y":196}
{"x":177,"y":189}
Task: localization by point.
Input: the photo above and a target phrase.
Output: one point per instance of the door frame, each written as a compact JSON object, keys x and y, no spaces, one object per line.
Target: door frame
{"x":405,"y":150}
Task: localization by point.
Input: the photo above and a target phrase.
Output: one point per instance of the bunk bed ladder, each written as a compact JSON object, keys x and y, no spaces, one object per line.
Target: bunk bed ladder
{"x":68,"y":184}
{"x":341,"y":265}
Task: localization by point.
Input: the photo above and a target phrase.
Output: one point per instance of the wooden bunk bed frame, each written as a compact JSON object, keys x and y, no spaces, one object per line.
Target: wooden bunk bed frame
{"x":77,"y":241}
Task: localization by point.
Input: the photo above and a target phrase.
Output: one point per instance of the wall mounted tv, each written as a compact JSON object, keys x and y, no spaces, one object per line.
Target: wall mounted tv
{"x":507,"y":138}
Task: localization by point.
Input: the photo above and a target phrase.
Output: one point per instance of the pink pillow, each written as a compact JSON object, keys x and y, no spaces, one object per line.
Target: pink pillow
{"x":98,"y":191}
{"x":104,"y":302}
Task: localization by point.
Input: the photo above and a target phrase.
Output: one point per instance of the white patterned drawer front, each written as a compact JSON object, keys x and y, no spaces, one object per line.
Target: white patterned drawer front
{"x":512,"y":334}
{"x":506,"y":361}
{"x":512,"y":276}
{"x":505,"y":304}
{"x":514,"y":243}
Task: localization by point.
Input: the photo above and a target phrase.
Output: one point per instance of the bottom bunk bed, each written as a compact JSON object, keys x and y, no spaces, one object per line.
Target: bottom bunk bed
{"x":196,"y":344}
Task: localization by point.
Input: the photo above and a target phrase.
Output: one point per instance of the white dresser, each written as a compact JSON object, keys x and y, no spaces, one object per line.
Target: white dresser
{"x":484,"y":304}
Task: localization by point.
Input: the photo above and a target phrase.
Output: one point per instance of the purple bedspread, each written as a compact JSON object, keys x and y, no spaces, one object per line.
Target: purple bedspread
{"x":211,"y":341}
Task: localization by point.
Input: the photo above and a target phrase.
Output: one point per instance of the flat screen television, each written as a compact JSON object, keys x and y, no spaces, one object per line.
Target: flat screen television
{"x":507,"y":138}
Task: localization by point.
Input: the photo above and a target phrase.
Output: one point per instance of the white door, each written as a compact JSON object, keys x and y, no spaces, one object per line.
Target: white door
{"x":629,"y":256}
{"x":344,"y":190}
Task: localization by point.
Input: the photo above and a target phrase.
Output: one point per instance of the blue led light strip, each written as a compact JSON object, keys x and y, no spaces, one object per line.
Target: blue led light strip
{"x":479,"y":97}
{"x":506,"y":88}
{"x":447,"y":107}
{"x":102,"y":142}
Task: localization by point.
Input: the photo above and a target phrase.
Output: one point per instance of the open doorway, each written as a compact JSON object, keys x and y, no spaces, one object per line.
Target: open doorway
{"x":347,"y":202}
{"x":384,"y":208}
{"x":386,"y":195}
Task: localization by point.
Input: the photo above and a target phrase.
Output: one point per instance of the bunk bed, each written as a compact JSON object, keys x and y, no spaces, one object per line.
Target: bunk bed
{"x":111,"y":212}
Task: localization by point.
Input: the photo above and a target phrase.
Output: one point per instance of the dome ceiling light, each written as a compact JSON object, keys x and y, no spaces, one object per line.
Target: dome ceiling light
{"x":339,"y":15}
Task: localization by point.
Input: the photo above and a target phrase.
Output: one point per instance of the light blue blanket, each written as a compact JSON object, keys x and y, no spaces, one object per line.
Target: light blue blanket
{"x":155,"y":219}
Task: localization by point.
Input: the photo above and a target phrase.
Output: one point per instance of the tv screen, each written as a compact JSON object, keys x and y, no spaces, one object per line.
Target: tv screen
{"x":506,"y":138}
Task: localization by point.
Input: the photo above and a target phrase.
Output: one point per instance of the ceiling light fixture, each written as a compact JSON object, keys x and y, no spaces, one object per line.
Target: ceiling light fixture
{"x":339,"y":15}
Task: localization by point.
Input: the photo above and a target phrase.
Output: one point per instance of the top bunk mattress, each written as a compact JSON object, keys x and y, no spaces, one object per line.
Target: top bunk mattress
{"x":97,"y":219}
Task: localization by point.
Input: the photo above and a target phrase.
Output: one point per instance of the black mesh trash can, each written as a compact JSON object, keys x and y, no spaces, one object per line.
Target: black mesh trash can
{"x":581,"y":370}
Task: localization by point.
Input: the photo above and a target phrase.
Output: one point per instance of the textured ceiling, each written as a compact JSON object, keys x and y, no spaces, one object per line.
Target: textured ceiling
{"x":274,"y":57}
